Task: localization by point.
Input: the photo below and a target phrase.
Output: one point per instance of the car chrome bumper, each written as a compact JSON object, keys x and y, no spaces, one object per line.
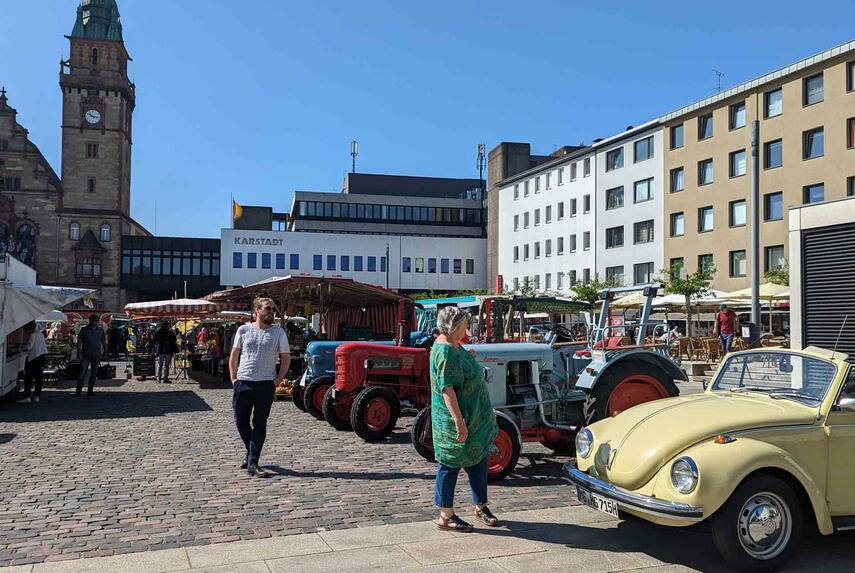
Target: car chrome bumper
{"x":633,"y":501}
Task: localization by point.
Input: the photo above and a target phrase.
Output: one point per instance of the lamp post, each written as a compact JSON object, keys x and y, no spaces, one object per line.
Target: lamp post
{"x":755,"y":222}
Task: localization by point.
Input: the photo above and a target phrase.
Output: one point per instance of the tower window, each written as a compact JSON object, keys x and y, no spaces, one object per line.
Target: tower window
{"x":94,"y":56}
{"x":91,"y":184}
{"x":105,"y":232}
{"x":92,"y":150}
{"x":16,"y":183}
{"x":74,"y":231}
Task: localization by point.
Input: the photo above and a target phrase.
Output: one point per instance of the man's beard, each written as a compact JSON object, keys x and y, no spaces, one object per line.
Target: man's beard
{"x":266,"y":318}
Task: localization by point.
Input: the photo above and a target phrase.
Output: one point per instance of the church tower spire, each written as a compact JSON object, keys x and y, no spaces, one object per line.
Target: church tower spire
{"x":98,"y":20}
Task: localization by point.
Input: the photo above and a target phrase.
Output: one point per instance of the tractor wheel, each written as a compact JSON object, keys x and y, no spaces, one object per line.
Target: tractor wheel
{"x":503,"y":462}
{"x":297,"y":396}
{"x":624,"y":386}
{"x":375,"y":412}
{"x":313,"y":395}
{"x":563,"y":445}
{"x":336,"y":414}
{"x":422,"y":435}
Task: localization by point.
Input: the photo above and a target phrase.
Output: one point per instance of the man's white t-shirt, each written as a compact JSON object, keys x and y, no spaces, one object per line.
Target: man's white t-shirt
{"x":259,"y":351}
{"x":38,"y":347}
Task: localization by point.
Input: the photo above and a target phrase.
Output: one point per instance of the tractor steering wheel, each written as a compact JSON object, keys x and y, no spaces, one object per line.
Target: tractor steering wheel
{"x":562,"y":331}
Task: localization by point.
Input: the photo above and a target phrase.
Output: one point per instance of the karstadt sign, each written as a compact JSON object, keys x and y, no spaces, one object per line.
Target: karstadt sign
{"x":258,"y":241}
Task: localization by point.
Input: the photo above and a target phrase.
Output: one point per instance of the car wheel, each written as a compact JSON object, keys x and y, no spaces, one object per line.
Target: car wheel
{"x":422,"y":435}
{"x":336,"y":414}
{"x":375,"y":412}
{"x":507,"y":442}
{"x":623,"y":386}
{"x":760,"y":526}
{"x":297,"y":396}
{"x":313,"y":395}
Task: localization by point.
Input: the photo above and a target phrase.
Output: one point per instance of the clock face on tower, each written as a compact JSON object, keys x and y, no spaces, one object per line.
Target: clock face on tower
{"x":93,"y":116}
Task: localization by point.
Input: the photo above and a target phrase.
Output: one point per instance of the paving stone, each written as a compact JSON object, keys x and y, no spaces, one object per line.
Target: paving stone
{"x":383,"y":535}
{"x":252,"y":567}
{"x":260,"y":549}
{"x":473,"y":547}
{"x":389,"y":559}
{"x":150,"y":562}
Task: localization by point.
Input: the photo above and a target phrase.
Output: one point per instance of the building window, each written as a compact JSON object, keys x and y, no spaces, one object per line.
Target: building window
{"x":614,"y":159}
{"x":88,"y":266}
{"x":643,"y":232}
{"x":526,"y":252}
{"x":516,"y":192}
{"x":443,"y":266}
{"x":677,"y":180}
{"x":773,"y":154}
{"x":850,"y":132}
{"x":372,"y":264}
{"x":705,"y":126}
{"x":586,"y":203}
{"x":331,"y":262}
{"x":92,"y":150}
{"x":536,"y":282}
{"x":614,"y":198}
{"x":614,"y":275}
{"x":572,"y":172}
{"x":251,"y":260}
{"x":571,"y":276}
{"x":586,"y":170}
{"x":470,"y":266}
{"x":549,"y":180}
{"x":560,"y":176}
{"x":74,"y":231}
{"x":516,"y":253}
{"x":812,"y":90}
{"x":525,"y":189}
{"x":678,"y":224}
{"x":773,"y":206}
{"x":295,"y":262}
{"x":537,"y":249}
{"x":573,"y":207}
{"x":737,"y":115}
{"x":643,"y":149}
{"x":357,"y":263}
{"x":406,"y":263}
{"x":280,"y":261}
{"x":317,"y":262}
{"x":705,"y":172}
{"x":573,"y":243}
{"x":738,"y":266}
{"x":536,"y":217}
{"x":559,"y":280}
{"x":548,"y":214}
{"x":265,"y":260}
{"x":773,"y":103}
{"x":775,"y":260}
{"x":382,"y":264}
{"x":677,"y":136}
{"x":814,"y":193}
{"x":705,"y":219}
{"x":737,"y":163}
{"x":420,"y":264}
{"x":614,"y":237}
{"x":237,"y":260}
{"x":559,"y":242}
{"x":560,"y":210}
{"x":677,"y":267}
{"x":813,"y":142}
{"x":643,"y":273}
{"x":91,"y":184}
{"x":850,"y":186}
{"x":516,"y":222}
{"x":705,"y":263}
{"x":432,"y":261}
{"x":643,"y":191}
{"x":93,"y":56}
{"x":106,"y":233}
{"x":737,"y":213}
{"x":547,"y":281}
{"x":850,"y":76}
{"x":586,"y":240}
{"x":537,"y":184}
{"x":458,"y":266}
{"x":525,"y":220}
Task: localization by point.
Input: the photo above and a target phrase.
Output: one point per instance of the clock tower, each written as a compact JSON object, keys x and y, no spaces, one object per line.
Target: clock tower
{"x":97,"y":109}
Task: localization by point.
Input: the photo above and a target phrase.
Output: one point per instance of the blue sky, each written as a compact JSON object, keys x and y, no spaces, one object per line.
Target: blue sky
{"x":259,"y":99}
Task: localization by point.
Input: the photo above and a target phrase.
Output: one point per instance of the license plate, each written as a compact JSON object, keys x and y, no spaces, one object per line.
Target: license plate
{"x":594,"y":501}
{"x":303,"y":379}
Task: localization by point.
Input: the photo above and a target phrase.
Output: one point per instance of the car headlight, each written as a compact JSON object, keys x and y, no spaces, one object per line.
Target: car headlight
{"x":584,"y":441}
{"x":684,"y":475}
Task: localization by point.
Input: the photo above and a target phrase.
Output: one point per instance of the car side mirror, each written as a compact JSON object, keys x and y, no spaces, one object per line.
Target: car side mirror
{"x":846,"y":404}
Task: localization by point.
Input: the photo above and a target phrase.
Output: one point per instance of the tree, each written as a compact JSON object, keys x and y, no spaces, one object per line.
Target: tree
{"x":590,"y":291}
{"x":692,"y":286}
{"x":779,"y":276}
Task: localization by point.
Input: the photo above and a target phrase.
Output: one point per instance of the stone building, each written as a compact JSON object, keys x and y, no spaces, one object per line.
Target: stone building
{"x":70,"y":229}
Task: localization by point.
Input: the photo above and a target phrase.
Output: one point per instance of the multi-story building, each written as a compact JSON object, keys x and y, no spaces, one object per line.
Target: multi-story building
{"x":806,"y":115}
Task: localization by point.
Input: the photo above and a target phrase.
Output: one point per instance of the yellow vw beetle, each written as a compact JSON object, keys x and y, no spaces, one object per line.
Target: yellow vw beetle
{"x":769,"y":445}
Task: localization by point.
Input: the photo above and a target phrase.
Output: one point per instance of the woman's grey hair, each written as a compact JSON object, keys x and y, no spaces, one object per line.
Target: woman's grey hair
{"x":449,"y":318}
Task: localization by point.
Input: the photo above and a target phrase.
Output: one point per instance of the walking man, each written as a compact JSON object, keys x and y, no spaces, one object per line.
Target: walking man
{"x":167,"y":345}
{"x":726,"y":325}
{"x":91,"y":345}
{"x":252,"y":365}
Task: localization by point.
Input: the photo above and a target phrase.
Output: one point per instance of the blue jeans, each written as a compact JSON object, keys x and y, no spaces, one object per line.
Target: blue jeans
{"x":726,"y":341}
{"x":446,"y":480}
{"x":252,"y":402}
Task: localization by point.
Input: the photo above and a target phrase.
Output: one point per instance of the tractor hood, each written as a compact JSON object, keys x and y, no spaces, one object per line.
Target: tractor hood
{"x":635,"y":444}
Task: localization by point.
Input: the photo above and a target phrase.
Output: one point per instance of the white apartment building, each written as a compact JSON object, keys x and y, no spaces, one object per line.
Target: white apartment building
{"x":546,"y":224}
{"x":415,"y":263}
{"x":630,"y":196}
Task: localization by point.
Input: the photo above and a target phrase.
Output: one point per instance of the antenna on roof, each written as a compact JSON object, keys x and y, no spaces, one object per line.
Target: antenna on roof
{"x":354,"y":151}
{"x":842,"y":326}
{"x":720,"y":76}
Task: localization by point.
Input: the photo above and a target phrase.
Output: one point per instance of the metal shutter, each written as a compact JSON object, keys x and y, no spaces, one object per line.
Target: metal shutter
{"x":828,"y":287}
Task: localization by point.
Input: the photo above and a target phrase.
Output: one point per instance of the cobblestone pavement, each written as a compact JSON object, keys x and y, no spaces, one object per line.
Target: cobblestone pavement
{"x":142,"y":466}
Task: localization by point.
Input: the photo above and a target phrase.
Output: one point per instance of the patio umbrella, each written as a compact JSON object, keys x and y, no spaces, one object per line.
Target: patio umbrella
{"x":179,"y":308}
{"x":54,"y":316}
{"x":768,"y":291}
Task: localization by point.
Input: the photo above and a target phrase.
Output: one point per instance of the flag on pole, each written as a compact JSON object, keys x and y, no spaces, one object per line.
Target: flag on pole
{"x":237,"y":210}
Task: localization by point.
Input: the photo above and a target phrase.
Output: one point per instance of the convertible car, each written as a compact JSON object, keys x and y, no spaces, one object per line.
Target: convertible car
{"x":768,"y":448}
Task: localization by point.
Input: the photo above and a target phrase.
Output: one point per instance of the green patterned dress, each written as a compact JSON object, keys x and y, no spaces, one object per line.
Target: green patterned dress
{"x":452,"y":366}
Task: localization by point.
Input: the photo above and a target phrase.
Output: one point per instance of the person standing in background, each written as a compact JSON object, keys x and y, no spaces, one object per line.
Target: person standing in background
{"x":726,"y":326}
{"x":91,"y":345}
{"x":190,"y":340}
{"x":34,"y":370}
{"x":167,"y":346}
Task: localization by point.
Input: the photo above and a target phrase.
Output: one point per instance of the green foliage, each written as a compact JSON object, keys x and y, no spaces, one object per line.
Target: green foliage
{"x":466,"y":292}
{"x":59,"y":346}
{"x":590,"y":292}
{"x":692,"y":285}
{"x":779,"y":277}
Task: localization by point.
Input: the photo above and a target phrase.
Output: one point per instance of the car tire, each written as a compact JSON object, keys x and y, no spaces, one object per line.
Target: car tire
{"x":771,"y":502}
{"x":421,"y":436}
{"x":313,"y":395}
{"x":375,"y":412}
{"x":501,"y":464}
{"x":629,"y":385}
{"x":297,"y":394}
{"x":335,"y":414}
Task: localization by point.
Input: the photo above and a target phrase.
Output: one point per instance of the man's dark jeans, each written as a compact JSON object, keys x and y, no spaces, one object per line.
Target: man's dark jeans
{"x":34,"y":372}
{"x":726,"y":341}
{"x":88,"y":365}
{"x":252,"y":400}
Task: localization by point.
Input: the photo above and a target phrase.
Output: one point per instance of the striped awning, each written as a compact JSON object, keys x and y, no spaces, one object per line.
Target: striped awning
{"x":178,"y":308}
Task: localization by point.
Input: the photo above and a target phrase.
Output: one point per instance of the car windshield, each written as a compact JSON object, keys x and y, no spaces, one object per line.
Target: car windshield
{"x":779,"y":374}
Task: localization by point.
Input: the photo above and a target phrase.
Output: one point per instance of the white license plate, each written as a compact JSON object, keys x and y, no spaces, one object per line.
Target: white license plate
{"x":303,"y":378}
{"x":596,"y":502}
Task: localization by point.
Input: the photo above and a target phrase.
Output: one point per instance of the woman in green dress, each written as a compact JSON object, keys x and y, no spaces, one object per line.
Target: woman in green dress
{"x":463,"y":421}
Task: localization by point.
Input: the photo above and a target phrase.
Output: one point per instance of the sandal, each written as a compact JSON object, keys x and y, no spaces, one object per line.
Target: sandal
{"x":454,"y":523}
{"x":484,"y":514}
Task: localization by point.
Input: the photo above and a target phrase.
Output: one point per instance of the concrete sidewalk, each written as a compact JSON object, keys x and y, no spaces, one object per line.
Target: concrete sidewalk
{"x":559,"y":539}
